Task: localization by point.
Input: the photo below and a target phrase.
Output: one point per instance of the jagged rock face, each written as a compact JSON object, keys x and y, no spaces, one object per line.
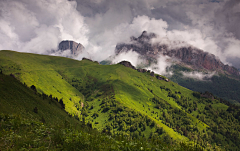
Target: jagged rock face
{"x":127,"y":64}
{"x":192,"y":56}
{"x":75,"y":48}
{"x":140,"y":45}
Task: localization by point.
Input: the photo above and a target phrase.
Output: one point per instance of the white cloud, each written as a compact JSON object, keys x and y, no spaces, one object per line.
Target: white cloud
{"x":198,"y":75}
{"x":38,"y":26}
{"x":130,"y":56}
{"x":161,"y":66}
{"x":102,"y":45}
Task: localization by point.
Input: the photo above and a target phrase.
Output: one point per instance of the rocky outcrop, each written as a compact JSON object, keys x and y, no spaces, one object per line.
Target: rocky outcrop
{"x":142,"y":70}
{"x":152,"y":74}
{"x":90,"y":60}
{"x":127,"y":64}
{"x":159,"y":77}
{"x":76,"y":48}
{"x":86,"y":59}
{"x":190,"y":55}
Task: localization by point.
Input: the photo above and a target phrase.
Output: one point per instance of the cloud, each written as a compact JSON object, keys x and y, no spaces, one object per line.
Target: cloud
{"x":161,"y":66}
{"x":65,"y":53}
{"x":208,"y":25}
{"x":136,"y":60}
{"x":131,"y":56}
{"x":198,"y":75}
{"x":38,"y":26}
{"x":102,"y":44}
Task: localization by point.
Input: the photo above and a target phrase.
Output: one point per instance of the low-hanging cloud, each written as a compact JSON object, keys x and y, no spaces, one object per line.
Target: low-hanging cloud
{"x":161,"y":66}
{"x":131,"y":56}
{"x":199,"y":75}
{"x":102,"y":44}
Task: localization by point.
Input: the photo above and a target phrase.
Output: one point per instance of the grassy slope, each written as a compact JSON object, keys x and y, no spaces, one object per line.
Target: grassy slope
{"x":41,"y":71}
{"x":20,"y":100}
{"x":22,"y":129}
{"x":49,"y":75}
{"x":131,"y":89}
{"x":124,"y":80}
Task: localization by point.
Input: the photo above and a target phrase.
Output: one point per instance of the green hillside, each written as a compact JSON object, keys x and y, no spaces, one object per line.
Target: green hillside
{"x":119,"y":100}
{"x":42,"y":72}
{"x":31,"y":121}
{"x":17,"y":99}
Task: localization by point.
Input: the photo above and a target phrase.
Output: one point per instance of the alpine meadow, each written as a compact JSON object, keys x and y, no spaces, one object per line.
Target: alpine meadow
{"x":57,"y":103}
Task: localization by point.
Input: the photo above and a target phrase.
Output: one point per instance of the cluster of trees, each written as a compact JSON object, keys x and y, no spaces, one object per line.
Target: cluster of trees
{"x":175,"y":118}
{"x":128,"y":121}
{"x":224,"y":125}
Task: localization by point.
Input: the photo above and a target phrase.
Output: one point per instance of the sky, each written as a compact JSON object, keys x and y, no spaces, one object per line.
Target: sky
{"x":39,"y":26}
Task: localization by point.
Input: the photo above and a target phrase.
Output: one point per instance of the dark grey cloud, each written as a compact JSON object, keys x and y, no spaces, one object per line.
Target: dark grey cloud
{"x":229,"y":17}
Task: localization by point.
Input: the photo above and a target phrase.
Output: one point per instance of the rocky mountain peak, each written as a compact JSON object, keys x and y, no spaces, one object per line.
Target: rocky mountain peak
{"x":196,"y":58}
{"x":144,"y":37}
{"x":76,"y":48}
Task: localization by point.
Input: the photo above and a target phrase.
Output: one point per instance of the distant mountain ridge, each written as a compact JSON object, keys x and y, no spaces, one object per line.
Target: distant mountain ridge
{"x":196,"y":58}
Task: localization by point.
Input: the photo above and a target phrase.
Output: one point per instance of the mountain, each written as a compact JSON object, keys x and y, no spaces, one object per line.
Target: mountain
{"x":223,"y":81}
{"x":194,"y":57}
{"x":75,"y":48}
{"x":120,"y":100}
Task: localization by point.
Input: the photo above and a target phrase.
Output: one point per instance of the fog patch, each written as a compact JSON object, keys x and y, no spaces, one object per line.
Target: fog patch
{"x":66,"y":53}
{"x":198,"y":75}
{"x":161,"y":66}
